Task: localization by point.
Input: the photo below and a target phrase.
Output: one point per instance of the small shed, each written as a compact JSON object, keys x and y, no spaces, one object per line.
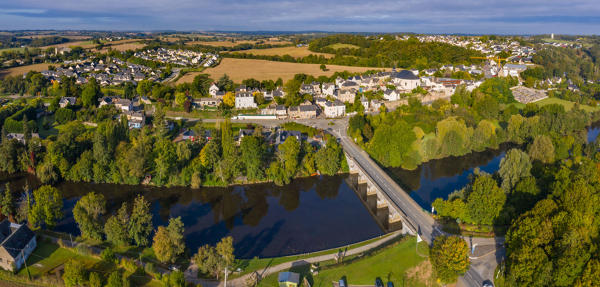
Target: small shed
{"x":289,"y":279}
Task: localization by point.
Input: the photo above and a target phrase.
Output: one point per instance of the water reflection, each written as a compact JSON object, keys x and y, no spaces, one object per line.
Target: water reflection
{"x":265,"y":220}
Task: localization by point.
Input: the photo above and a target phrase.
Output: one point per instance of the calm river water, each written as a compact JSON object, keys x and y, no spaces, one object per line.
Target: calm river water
{"x":265,"y":220}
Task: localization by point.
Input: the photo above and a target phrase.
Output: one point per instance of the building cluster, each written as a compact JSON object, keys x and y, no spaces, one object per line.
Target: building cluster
{"x":329,"y":100}
{"x":488,"y":48}
{"x":133,"y":110}
{"x":179,"y":57}
{"x":114,"y":73}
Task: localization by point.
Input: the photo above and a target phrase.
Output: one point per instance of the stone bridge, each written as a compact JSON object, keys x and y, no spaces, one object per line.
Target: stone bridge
{"x":388,"y":215}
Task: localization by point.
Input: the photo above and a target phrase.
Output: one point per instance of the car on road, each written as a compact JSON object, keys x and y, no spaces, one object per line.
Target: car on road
{"x":487,"y":283}
{"x":378,"y":282}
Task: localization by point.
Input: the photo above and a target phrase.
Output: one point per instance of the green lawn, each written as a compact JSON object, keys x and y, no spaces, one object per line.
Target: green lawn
{"x":390,"y":264}
{"x":251,"y":265}
{"x":342,"y":46}
{"x":48,"y":256}
{"x":567,"y":104}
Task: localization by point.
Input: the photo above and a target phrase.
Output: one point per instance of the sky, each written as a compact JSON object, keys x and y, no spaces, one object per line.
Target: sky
{"x":419,"y":16}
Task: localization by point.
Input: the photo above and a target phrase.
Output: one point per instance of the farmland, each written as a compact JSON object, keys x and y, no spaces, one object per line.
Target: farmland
{"x":82,"y":44}
{"x":234,"y":43}
{"x":16,"y":71}
{"x":342,"y":46}
{"x":296,"y":52}
{"x":241,"y":69}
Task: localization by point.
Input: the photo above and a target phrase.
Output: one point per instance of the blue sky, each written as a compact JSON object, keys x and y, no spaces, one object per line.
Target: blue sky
{"x":426,"y":16}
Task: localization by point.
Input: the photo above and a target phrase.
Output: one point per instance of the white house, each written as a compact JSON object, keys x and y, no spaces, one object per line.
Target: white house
{"x":244,"y":100}
{"x":212,"y":91}
{"x":334,"y":109}
{"x":67,"y":101}
{"x":391,"y":95}
{"x":328,"y":89}
{"x":512,"y":70}
{"x":405,"y":80}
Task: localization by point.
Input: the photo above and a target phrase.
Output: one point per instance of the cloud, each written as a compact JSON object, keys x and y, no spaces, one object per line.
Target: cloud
{"x":428,"y":16}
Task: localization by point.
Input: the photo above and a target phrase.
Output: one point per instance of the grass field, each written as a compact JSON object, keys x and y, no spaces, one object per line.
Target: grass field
{"x":296,"y":52}
{"x":342,"y":46}
{"x":124,"y":47}
{"x":241,"y":69}
{"x":250,"y":265}
{"x":567,"y":104}
{"x":16,"y":71}
{"x":399,"y":264}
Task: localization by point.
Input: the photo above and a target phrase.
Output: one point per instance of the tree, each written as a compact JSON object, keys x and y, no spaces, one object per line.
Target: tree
{"x":115,"y":279}
{"x":87,"y":213}
{"x":542,"y":149}
{"x":486,"y":200}
{"x":288,"y":154}
{"x":90,"y":94}
{"x":328,"y":159}
{"x":74,"y":274}
{"x":229,"y":99}
{"x":144,"y":87}
{"x":210,"y":154}
{"x":165,"y":160}
{"x":47,"y":207}
{"x":8,"y":202}
{"x":214,"y":260}
{"x":140,"y":222}
{"x":252,"y":153}
{"x":225,"y":84}
{"x":201,"y":84}
{"x":449,"y":257}
{"x":116,"y":227}
{"x":514,"y":166}
{"x":95,"y":280}
{"x":391,"y":145}
{"x":225,"y":250}
{"x":168,"y":242}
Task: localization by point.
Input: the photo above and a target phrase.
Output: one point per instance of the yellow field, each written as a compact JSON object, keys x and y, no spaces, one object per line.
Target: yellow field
{"x":124,"y":47}
{"x":341,"y":46}
{"x":231,"y":44}
{"x":82,"y":44}
{"x":17,"y":71}
{"x":296,"y":52}
{"x":241,"y":69}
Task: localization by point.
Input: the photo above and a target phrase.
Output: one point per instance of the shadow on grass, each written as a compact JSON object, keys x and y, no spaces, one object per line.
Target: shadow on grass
{"x":43,"y":251}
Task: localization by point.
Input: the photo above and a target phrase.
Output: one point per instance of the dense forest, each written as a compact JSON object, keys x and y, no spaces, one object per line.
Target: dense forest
{"x":376,"y":52}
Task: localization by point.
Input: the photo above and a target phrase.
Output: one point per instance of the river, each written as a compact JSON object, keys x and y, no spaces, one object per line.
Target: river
{"x":265,"y":220}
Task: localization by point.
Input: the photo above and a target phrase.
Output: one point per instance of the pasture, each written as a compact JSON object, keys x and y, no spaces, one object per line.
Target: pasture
{"x":241,"y":69}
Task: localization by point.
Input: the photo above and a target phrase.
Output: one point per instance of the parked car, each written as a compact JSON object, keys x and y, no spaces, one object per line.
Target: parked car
{"x":487,"y":283}
{"x":378,"y":282}
{"x":390,"y":284}
{"x":342,"y":283}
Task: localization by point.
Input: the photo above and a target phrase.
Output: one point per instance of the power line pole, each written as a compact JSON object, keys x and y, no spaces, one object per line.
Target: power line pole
{"x":225,"y":277}
{"x":25,"y":262}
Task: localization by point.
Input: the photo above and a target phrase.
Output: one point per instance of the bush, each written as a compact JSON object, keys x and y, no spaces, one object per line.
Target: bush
{"x":129,"y":265}
{"x":64,"y":115}
{"x":150,"y":269}
{"x":83,"y":250}
{"x":108,"y":255}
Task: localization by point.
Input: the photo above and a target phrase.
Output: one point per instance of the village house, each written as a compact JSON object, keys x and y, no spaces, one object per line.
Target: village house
{"x":288,"y":279}
{"x":334,"y":109}
{"x":244,"y":100}
{"x":135,"y":120}
{"x":303,"y":111}
{"x":328,"y":89}
{"x":391,"y":95}
{"x":205,"y":102}
{"x":364,"y":102}
{"x":17,"y":243}
{"x":20,"y":137}
{"x":405,"y":80}
{"x":512,"y":70}
{"x":212,"y":91}
{"x":346,"y":95}
{"x":67,"y":101}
